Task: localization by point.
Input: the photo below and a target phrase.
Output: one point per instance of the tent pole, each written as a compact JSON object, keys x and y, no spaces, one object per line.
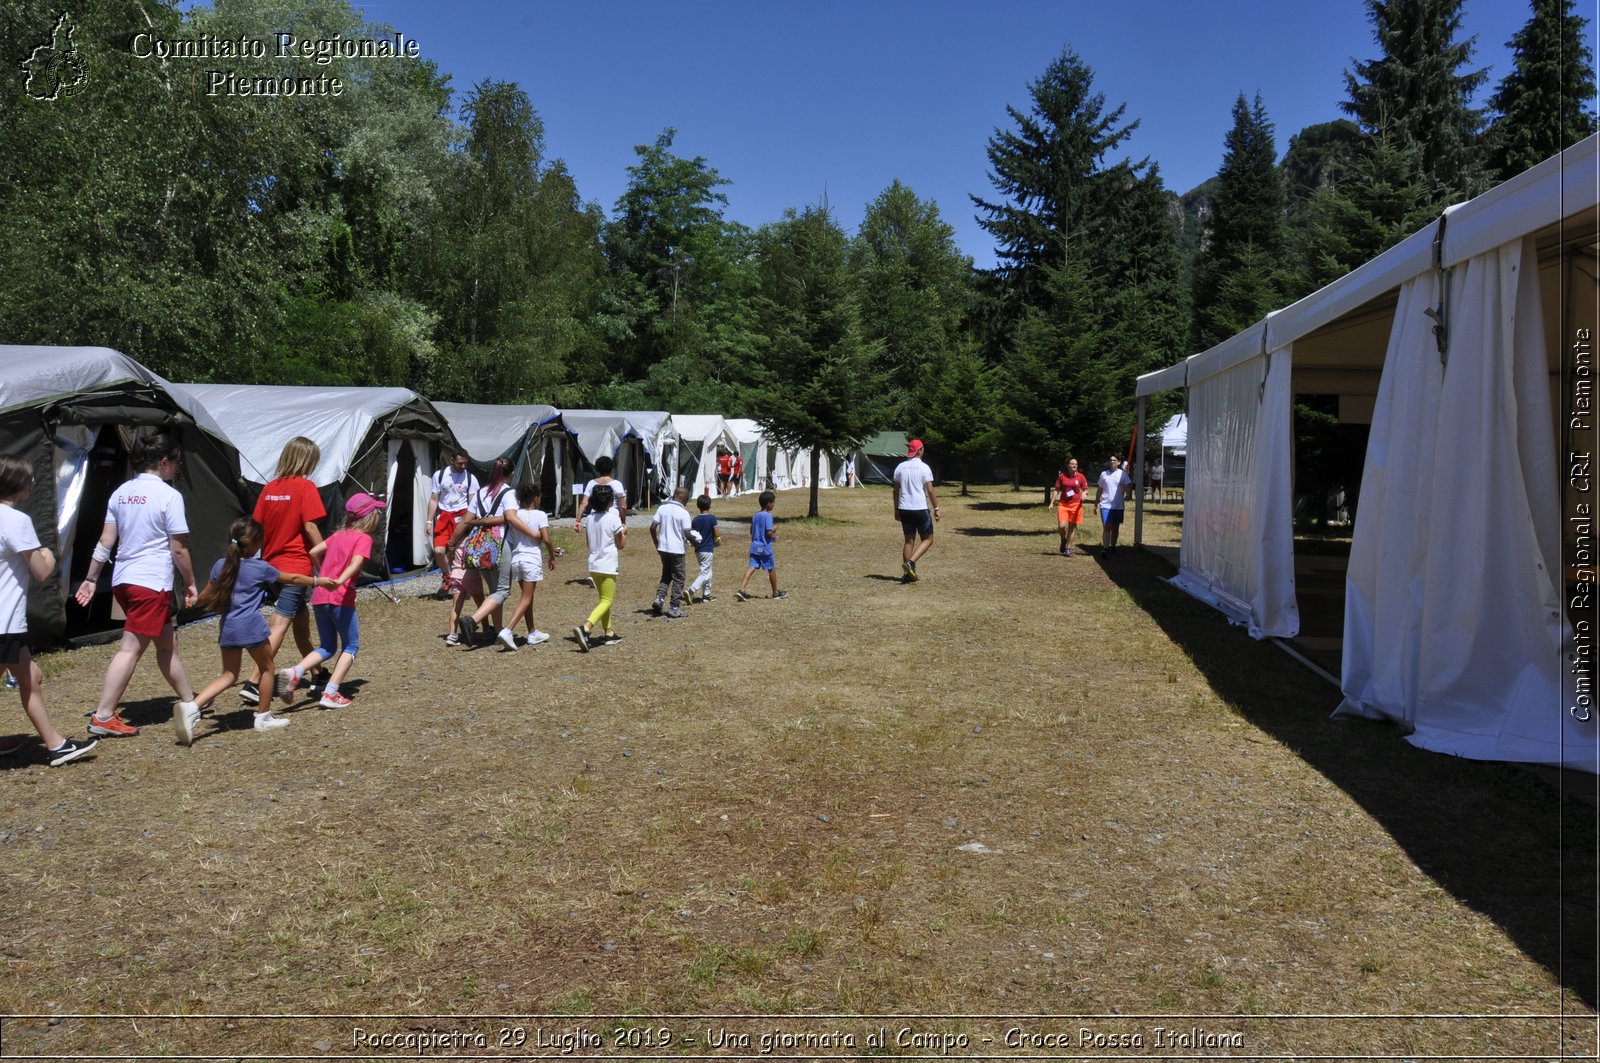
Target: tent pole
{"x":1138,"y":490}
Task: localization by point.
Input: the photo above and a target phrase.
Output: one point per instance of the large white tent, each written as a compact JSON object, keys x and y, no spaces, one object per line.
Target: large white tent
{"x":1451,"y":344}
{"x":701,"y":437}
{"x":531,"y":437}
{"x":753,"y":448}
{"x":73,"y":411}
{"x":642,"y":443}
{"x":384,"y":441}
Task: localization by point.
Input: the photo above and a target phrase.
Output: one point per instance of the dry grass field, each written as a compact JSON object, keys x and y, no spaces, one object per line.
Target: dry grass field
{"x":1026,"y":785}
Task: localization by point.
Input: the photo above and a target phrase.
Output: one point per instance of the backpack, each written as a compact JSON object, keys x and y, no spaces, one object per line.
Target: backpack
{"x":482,"y":546}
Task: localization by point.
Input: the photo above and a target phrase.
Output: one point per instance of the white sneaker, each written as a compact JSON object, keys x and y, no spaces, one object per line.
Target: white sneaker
{"x":538,"y":636}
{"x":184,"y":716}
{"x":265,"y":721}
{"x":508,"y":638}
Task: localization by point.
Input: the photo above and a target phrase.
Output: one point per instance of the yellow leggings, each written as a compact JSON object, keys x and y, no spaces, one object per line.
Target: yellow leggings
{"x":607,"y":586}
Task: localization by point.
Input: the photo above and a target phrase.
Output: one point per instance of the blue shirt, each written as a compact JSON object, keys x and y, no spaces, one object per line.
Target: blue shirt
{"x":761,"y":531}
{"x":706,"y":525}
{"x":243,"y":625}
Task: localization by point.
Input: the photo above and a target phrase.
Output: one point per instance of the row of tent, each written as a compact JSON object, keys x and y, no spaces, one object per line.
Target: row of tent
{"x":1466,"y":351}
{"x":74,"y":411}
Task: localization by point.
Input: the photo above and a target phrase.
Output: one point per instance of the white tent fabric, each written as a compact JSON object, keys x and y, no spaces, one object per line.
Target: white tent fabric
{"x":1238,"y":530}
{"x":700,"y":437}
{"x":753,"y":446}
{"x":653,"y":453}
{"x":1466,"y":653}
{"x":261,"y":418}
{"x":522,"y":434}
{"x":1175,"y":433}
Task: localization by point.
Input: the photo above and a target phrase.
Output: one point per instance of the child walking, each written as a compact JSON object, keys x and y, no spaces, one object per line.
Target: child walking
{"x":22,"y":557}
{"x":762,"y":536}
{"x":672,"y":532}
{"x":343,"y":552}
{"x":705,"y":526}
{"x":607,"y":536}
{"x":529,"y":541}
{"x":238,"y":586}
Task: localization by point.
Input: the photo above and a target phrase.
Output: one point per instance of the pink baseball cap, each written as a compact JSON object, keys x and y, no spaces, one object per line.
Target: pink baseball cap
{"x":361,"y":503}
{"x":914,"y":448}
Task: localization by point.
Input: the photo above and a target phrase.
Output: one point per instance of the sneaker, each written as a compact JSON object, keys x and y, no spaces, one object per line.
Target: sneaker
{"x":655,"y":606}
{"x":537,"y":637}
{"x":911,"y":568}
{"x":583,"y":638}
{"x":1067,"y":551}
{"x":676,"y":614}
{"x":335,"y":700}
{"x":1064,"y":551}
{"x":780,"y":595}
{"x":184,"y":716}
{"x":741,"y":595}
{"x":11,"y":681}
{"x":250,"y":694}
{"x":265,"y":721}
{"x":469,"y":630}
{"x":906,"y":568}
{"x":115,"y":727}
{"x":707,"y":598}
{"x":612,"y":637}
{"x":452,"y":639}
{"x":70,"y":750}
{"x":286,"y":684}
{"x":507,"y":638}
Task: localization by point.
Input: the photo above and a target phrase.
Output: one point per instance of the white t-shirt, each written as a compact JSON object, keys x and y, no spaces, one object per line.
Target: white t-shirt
{"x":617,"y":490}
{"x":602,"y":535}
{"x":524,"y":548}
{"x":1112,"y":485}
{"x":672,"y":526}
{"x":493,"y":502}
{"x":454,"y":490}
{"x":912,"y":477}
{"x":147,"y":511}
{"x":16,"y":535}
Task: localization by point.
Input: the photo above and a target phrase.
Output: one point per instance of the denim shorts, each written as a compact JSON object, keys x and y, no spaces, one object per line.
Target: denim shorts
{"x":292,"y":600}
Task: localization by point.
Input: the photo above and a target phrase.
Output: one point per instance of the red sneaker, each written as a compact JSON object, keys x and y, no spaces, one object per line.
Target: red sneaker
{"x":116,"y":727}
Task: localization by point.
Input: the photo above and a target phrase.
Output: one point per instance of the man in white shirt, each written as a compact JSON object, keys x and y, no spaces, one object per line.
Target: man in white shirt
{"x":916,"y":507}
{"x":672,"y":534}
{"x":1110,"y":497}
{"x":451,"y":491}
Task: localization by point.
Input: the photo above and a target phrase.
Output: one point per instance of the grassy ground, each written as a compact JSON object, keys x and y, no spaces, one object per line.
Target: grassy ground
{"x":1026,"y":785}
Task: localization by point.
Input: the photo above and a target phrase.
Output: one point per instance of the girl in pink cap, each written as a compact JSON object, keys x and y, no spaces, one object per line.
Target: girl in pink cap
{"x":342,"y":554}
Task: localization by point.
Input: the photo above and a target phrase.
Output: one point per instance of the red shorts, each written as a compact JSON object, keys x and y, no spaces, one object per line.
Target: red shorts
{"x":1069,"y":513}
{"x":148,"y":611}
{"x":444,"y":526}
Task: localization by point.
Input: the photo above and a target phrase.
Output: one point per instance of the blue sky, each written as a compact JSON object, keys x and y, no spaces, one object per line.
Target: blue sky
{"x":790,"y":101}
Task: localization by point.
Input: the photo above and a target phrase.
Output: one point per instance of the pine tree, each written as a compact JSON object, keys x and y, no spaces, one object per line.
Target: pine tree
{"x":1236,"y":278}
{"x":1419,"y":92}
{"x":1546,"y":102}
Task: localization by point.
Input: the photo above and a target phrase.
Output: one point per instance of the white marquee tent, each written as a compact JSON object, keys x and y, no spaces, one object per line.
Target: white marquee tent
{"x":642,"y":443}
{"x":753,"y":448}
{"x":1454,"y":622}
{"x":531,"y":437}
{"x":700,"y":438}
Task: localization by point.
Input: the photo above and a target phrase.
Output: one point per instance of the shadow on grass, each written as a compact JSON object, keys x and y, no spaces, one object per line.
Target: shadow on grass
{"x":1492,"y":835}
{"x":1005,"y":533}
{"x":881,"y":578}
{"x":1000,"y":507}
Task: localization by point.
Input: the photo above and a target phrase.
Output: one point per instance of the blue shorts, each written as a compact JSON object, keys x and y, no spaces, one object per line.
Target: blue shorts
{"x":292,"y":600}
{"x":762,"y":557}
{"x":337,"y":629}
{"x":916,"y":522}
{"x":1110,"y":517}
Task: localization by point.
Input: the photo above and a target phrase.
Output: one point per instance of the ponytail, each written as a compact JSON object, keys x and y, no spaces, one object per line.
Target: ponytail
{"x":244,"y":539}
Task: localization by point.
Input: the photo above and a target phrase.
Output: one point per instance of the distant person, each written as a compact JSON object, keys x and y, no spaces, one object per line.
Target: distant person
{"x":146,"y":521}
{"x":334,"y":602}
{"x":607,"y":536}
{"x":602,"y":478}
{"x":724,"y":472}
{"x":1110,"y":497}
{"x":672,"y":531}
{"x":449,"y":495}
{"x":288,"y":510}
{"x":1070,"y":489}
{"x":236,"y":591}
{"x":916,"y":507}
{"x":705,"y":526}
{"x":1157,"y":471}
{"x":850,"y":471}
{"x":763,"y":534}
{"x":22,"y":558}
{"x":736,"y":481}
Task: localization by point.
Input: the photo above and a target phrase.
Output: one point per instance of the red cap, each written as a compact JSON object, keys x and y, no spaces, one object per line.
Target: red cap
{"x":914,"y":448}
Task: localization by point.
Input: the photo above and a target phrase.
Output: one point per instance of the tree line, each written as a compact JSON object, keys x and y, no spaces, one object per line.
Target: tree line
{"x":394,"y":235}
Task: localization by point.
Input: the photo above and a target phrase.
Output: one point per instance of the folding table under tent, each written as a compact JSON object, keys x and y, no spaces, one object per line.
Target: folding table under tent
{"x":533,"y":438}
{"x":1455,"y":610}
{"x":753,"y":449}
{"x":72,"y":412}
{"x":641,"y":443}
{"x":384,"y":441}
{"x":701,"y":438}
